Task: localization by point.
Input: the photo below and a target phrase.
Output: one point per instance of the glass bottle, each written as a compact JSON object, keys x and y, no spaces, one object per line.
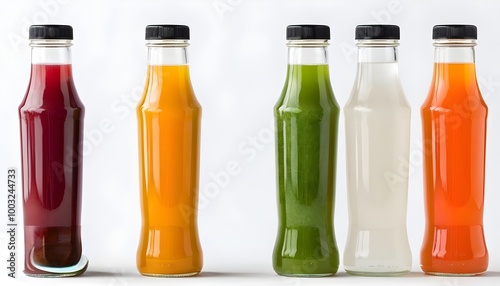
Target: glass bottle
{"x":169,"y":118}
{"x":377,"y":124}
{"x":454,"y":136}
{"x":51,"y":122}
{"x":306,"y":118}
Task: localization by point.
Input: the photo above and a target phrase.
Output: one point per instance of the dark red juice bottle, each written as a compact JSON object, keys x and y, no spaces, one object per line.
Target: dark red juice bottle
{"x":51,"y":117}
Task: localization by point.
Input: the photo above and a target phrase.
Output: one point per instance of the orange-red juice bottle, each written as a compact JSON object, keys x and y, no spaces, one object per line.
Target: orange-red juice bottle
{"x":454,"y":134}
{"x":169,"y":118}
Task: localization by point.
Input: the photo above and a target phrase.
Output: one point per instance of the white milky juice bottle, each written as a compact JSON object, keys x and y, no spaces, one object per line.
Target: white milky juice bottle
{"x":377,"y":123}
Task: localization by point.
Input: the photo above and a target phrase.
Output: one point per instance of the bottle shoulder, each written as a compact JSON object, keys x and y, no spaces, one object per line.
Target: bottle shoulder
{"x":453,"y":84}
{"x":377,"y":84}
{"x":307,"y":87}
{"x":168,"y":100}
{"x":307,"y":96}
{"x":381,"y":98}
{"x":51,"y":100}
{"x":443,"y":97}
{"x":295,"y":104}
{"x":52,"y":111}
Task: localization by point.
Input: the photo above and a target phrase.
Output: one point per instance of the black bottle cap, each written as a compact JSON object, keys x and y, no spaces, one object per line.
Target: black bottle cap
{"x":53,"y":32}
{"x":167,"y":32}
{"x":372,"y":32}
{"x":307,"y":32}
{"x":454,"y":32}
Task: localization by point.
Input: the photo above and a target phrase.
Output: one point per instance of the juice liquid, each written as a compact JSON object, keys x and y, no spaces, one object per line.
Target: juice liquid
{"x":169,"y":118}
{"x":377,"y":153}
{"x":51,"y":117}
{"x":454,"y":123}
{"x":306,"y":119}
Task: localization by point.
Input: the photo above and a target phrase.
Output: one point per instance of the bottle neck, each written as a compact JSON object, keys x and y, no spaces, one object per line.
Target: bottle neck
{"x":51,"y":71}
{"x":307,"y":52}
{"x":377,"y":51}
{"x":377,"y":74}
{"x":51,"y":52}
{"x":167,"y":53}
{"x":454,"y":66}
{"x":50,"y":62}
{"x":308,"y":66}
{"x":454,"y":51}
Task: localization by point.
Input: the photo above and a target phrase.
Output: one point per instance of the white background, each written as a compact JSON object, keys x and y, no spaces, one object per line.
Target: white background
{"x":238,"y":65}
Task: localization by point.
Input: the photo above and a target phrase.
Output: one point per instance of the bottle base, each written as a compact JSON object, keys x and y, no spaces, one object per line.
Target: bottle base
{"x":454,"y":274}
{"x":54,"y":272}
{"x":55,"y":275}
{"x":174,"y":275}
{"x":305,"y":275}
{"x":376,"y":274}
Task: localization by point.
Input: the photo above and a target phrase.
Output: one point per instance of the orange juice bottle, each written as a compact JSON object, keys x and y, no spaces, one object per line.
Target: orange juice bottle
{"x":169,"y":118}
{"x":454,"y":136}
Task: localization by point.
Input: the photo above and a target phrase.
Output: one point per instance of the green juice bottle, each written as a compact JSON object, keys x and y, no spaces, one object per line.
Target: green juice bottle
{"x":306,"y":118}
